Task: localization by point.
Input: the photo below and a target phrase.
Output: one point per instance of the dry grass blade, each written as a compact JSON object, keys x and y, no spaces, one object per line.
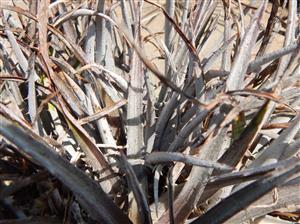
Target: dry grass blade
{"x":208,"y":63}
{"x":236,"y":77}
{"x":188,"y":43}
{"x":81,"y":12}
{"x":218,"y":181}
{"x":246,"y":196}
{"x":239,"y":147}
{"x":18,"y":10}
{"x":270,"y":26}
{"x":68,"y":27}
{"x":163,"y":119}
{"x":125,"y":14}
{"x":68,"y":93}
{"x":165,"y":157}
{"x":291,"y":150}
{"x":135,"y":108}
{"x":289,"y":39}
{"x":42,"y":18}
{"x":187,"y":130}
{"x":185,"y":202}
{"x":226,"y":62}
{"x":103,"y":112}
{"x":285,"y":196}
{"x":95,"y":157}
{"x":171,"y":196}
{"x":277,"y":147}
{"x":32,"y":105}
{"x":144,"y":210}
{"x":117,"y":78}
{"x":18,"y":52}
{"x":255,"y":65}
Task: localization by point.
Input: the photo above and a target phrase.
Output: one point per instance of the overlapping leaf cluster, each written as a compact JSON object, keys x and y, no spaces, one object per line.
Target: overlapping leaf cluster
{"x":97,"y":127}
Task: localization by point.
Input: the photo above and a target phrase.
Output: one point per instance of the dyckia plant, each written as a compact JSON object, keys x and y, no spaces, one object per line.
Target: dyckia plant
{"x":143,"y":111}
